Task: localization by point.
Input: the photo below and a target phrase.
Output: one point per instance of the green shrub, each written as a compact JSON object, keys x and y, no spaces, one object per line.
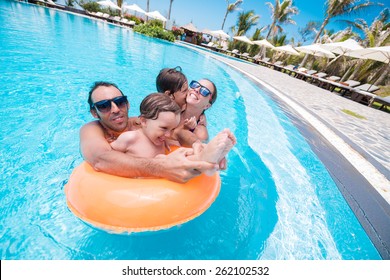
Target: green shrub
{"x":137,"y":20}
{"x":90,"y":6}
{"x":154,"y":30}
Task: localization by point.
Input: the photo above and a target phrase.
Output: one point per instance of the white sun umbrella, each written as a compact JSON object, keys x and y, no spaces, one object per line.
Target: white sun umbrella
{"x":133,"y":7}
{"x":109,"y":4}
{"x":156,"y":15}
{"x":342,"y":48}
{"x":316,"y":50}
{"x":264,"y":43}
{"x":220,"y":34}
{"x":287,"y":49}
{"x":243,"y":39}
{"x":376,"y":53}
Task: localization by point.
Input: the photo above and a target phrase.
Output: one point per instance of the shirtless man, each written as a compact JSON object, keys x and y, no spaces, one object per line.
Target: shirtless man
{"x":110,"y":107}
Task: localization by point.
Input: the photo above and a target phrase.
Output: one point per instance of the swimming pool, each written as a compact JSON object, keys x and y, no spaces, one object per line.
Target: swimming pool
{"x":277,"y":200}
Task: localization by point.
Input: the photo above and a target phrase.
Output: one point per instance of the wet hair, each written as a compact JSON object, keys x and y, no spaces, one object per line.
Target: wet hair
{"x":100,"y":84}
{"x":171,"y":80}
{"x":155,"y":103}
{"x":214,"y":94}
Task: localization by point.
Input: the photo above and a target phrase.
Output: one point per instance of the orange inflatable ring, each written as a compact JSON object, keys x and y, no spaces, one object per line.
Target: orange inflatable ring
{"x":126,"y":205}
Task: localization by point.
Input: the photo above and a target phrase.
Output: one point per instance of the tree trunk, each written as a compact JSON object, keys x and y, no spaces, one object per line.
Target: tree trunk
{"x":357,"y":68}
{"x":383,"y":76}
{"x":270,"y":29}
{"x":170,"y":8}
{"x":224,"y":19}
{"x":316,"y":38}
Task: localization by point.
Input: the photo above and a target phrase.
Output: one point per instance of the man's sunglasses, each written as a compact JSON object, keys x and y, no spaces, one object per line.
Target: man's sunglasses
{"x":104,"y":106}
{"x":204,"y":91}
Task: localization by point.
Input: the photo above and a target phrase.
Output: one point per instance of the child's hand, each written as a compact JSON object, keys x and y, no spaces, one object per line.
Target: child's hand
{"x":190,"y":123}
{"x":202,"y":120}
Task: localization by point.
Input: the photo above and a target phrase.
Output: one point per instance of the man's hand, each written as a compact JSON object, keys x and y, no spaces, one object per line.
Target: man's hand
{"x":178,"y":168}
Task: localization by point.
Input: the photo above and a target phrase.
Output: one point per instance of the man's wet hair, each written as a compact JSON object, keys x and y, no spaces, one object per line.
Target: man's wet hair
{"x":100,"y":84}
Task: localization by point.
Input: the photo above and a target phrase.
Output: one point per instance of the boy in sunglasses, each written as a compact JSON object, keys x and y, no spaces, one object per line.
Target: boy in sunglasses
{"x":110,"y":107}
{"x":159,"y":116}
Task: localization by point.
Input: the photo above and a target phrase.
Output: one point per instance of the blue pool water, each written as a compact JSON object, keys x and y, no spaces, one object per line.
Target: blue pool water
{"x":277,"y":200}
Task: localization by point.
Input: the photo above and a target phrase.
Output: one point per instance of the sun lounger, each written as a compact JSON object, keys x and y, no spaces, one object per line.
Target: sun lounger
{"x":324,"y":82}
{"x":364,"y":93}
{"x":116,"y":19}
{"x":288,"y":69}
{"x":256,"y":58}
{"x":127,"y":22}
{"x":245,"y":56}
{"x":235,"y":53}
{"x":314,"y":78}
{"x":345,"y":87}
{"x":209,"y":45}
{"x":304,"y":74}
{"x":265,"y":61}
{"x":385,"y":101}
{"x":278,"y":65}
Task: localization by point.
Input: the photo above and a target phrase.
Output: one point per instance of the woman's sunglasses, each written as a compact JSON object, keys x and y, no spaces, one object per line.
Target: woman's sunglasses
{"x":204,"y":91}
{"x":104,"y":106}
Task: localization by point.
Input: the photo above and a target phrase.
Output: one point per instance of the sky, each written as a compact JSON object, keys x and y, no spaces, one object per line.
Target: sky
{"x":209,"y":13}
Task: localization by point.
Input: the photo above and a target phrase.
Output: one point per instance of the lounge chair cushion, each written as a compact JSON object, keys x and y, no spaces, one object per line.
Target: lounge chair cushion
{"x":367,"y":87}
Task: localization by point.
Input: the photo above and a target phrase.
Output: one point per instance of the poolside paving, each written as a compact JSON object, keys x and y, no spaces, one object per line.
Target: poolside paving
{"x":369,"y":137}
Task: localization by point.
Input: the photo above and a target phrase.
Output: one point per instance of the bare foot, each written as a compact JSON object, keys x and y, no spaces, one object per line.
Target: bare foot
{"x":217,"y":148}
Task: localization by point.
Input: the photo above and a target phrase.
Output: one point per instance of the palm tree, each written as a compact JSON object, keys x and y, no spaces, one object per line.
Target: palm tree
{"x":281,"y":14}
{"x":231,"y":8}
{"x":119,"y":3}
{"x":254,"y":49}
{"x":246,"y":20}
{"x":308,"y":32}
{"x":376,"y":35}
{"x":170,"y":8}
{"x":334,"y":8}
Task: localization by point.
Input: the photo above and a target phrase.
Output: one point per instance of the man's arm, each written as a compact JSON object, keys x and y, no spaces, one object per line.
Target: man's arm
{"x":97,"y":151}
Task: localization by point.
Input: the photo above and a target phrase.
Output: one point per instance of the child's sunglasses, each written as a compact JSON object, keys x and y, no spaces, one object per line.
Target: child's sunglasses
{"x":204,"y":91}
{"x":104,"y":106}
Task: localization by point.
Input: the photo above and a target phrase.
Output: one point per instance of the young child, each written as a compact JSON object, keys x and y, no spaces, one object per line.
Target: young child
{"x":172,"y":82}
{"x":160,"y":115}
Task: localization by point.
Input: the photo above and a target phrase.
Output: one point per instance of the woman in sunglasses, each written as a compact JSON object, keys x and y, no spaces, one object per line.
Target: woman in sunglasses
{"x":193,"y":126}
{"x":110,"y":107}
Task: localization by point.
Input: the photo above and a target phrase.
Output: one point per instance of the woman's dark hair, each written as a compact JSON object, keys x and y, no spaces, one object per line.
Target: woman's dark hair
{"x":171,"y":80}
{"x":214,"y":94}
{"x":155,"y":103}
{"x":100,"y":84}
